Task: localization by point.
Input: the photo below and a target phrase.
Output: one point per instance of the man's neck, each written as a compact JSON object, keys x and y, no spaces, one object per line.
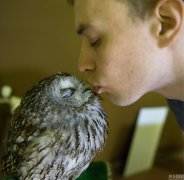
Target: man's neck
{"x":175,"y":88}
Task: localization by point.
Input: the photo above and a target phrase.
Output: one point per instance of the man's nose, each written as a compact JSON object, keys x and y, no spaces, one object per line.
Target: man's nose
{"x":86,"y":60}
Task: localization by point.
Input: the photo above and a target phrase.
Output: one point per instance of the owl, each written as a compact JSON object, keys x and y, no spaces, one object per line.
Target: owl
{"x":56,"y":130}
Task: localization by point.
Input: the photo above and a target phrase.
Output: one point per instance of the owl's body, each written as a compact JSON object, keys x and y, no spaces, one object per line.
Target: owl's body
{"x":55,"y":132}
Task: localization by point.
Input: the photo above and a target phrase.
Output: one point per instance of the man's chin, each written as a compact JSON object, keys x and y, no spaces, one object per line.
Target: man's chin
{"x":119,"y":101}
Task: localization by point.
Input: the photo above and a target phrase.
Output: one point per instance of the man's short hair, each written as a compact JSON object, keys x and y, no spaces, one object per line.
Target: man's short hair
{"x":140,"y":9}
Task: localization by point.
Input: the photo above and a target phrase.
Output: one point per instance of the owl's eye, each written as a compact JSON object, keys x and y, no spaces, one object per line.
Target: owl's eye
{"x":66,"y":93}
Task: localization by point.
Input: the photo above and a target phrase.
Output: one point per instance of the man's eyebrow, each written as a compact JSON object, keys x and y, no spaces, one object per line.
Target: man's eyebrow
{"x":82,"y":28}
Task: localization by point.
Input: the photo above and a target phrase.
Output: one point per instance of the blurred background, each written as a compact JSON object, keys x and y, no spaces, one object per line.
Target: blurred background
{"x":37,"y":39}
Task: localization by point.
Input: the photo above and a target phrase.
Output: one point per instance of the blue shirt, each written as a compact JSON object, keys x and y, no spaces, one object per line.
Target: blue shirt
{"x":178,"y":109}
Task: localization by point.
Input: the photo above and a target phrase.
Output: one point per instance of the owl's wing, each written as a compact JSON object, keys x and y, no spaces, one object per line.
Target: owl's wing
{"x":29,"y":149}
{"x":20,"y":135}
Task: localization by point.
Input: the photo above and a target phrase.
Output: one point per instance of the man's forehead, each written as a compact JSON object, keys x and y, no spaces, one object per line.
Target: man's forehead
{"x":87,"y":10}
{"x":84,"y":14}
{"x":95,"y":13}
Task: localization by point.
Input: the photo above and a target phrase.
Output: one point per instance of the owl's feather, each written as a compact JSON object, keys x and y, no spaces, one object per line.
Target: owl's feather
{"x":56,"y":130}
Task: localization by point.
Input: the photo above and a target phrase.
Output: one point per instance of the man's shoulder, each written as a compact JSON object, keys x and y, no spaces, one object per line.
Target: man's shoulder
{"x":178,"y":109}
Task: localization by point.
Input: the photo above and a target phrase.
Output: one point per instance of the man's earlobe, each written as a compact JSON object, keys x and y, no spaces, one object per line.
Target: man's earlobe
{"x":169,"y":14}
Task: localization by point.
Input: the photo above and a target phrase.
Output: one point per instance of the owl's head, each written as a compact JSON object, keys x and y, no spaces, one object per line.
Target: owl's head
{"x":62,"y":89}
{"x":68,"y":90}
{"x":60,"y":97}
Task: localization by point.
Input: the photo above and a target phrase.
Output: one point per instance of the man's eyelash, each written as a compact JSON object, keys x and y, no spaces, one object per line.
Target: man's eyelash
{"x":96,"y":43}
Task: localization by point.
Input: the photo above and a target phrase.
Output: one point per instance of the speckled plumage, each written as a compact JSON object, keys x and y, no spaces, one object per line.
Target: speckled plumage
{"x":55,"y":132}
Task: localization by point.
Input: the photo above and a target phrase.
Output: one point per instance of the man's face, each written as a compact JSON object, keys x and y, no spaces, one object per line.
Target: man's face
{"x":119,"y":56}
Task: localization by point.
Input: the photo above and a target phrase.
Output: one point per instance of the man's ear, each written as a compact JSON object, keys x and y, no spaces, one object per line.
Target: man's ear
{"x":169,"y":15}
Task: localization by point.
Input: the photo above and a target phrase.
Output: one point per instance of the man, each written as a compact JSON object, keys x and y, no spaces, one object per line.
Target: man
{"x":132,"y":47}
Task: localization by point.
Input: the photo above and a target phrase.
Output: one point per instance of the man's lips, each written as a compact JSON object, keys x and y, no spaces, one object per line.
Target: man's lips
{"x":96,"y":89}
